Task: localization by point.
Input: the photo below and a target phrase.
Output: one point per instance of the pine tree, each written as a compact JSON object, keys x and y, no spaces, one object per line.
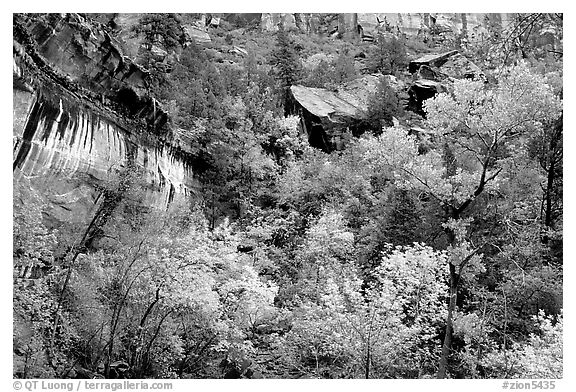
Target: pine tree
{"x":344,"y":67}
{"x":382,"y":106}
{"x":388,"y":56}
{"x":286,"y":63}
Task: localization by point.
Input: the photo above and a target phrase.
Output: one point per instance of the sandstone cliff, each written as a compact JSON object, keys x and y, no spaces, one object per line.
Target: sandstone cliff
{"x":473,"y":27}
{"x":81,"y":116}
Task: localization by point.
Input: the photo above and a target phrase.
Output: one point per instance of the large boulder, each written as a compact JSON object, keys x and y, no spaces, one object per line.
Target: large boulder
{"x":196,"y":34}
{"x":323,"y":103}
{"x":458,"y":66}
{"x":422,"y":90}
{"x":451,"y":64}
{"x":432,"y":60}
{"x":332,"y":118}
{"x":434,"y":73}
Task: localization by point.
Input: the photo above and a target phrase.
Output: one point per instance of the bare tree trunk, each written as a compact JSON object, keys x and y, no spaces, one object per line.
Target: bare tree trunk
{"x":554,"y":157}
{"x":367,"y":365}
{"x":443,"y":364}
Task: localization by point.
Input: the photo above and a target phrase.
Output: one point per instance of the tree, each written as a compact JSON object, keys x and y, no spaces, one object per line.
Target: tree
{"x":540,"y":357}
{"x":286,"y":63}
{"x":329,"y":71}
{"x":386,"y":330}
{"x":402,"y":256}
{"x":546,"y":147}
{"x":344,"y":69}
{"x":535,"y":34}
{"x":34,"y":249}
{"x":34,"y":245}
{"x":387,"y":56}
{"x":480,"y":133}
{"x":383,"y":105}
{"x":397,"y":218}
{"x":164,"y":29}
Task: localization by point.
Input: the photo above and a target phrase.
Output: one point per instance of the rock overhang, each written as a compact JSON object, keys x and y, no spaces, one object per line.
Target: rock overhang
{"x":69,"y":140}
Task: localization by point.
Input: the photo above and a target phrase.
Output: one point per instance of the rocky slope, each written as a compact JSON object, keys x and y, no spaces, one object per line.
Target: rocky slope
{"x":331,"y":118}
{"x":82,"y":111}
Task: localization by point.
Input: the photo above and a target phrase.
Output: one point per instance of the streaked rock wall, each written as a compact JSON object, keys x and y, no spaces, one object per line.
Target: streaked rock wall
{"x":80,"y":120}
{"x":66,"y":151}
{"x":475,"y":26}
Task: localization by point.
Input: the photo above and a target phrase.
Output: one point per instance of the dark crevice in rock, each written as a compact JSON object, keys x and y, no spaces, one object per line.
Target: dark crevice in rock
{"x":317,"y":138}
{"x":28,"y":135}
{"x":171,"y":194}
{"x":63,"y":125}
{"x":434,"y":73}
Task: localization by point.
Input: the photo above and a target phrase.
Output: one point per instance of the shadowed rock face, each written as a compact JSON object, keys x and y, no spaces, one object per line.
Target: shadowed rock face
{"x":67,"y":145}
{"x":332,"y":118}
{"x":434,"y":73}
{"x":83,"y":53}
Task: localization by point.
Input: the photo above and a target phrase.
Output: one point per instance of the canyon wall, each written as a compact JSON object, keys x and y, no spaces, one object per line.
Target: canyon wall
{"x":70,"y":142}
{"x":475,"y":27}
{"x":82,"y":112}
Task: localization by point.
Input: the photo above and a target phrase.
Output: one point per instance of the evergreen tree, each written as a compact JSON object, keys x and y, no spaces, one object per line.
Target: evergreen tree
{"x":387,"y":56}
{"x":344,"y":70}
{"x":286,"y":63}
{"x":382,"y":106}
{"x":164,"y":29}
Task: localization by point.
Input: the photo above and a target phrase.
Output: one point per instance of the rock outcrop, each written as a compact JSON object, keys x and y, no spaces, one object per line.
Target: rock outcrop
{"x":332,"y":118}
{"x":84,"y":56}
{"x":73,"y":134}
{"x":474,"y":27}
{"x":197,"y":35}
{"x":348,"y":25}
{"x":433,"y":74}
{"x":452,"y":64}
{"x":471,"y":27}
{"x":271,"y":22}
